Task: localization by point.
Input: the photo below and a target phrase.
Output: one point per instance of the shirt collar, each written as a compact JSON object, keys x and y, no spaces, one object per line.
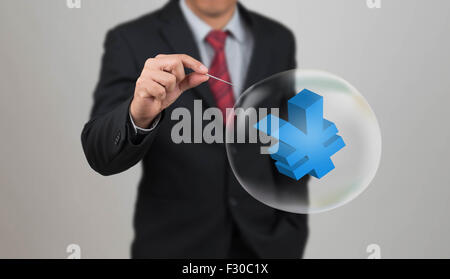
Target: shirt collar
{"x":201,"y":28}
{"x":235,"y":26}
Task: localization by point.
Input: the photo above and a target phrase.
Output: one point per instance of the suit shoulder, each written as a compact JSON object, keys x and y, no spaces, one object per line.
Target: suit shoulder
{"x":273,"y":27}
{"x":147,"y":23}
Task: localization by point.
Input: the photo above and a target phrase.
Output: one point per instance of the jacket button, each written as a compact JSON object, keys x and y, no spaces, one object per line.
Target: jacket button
{"x":117,"y":138}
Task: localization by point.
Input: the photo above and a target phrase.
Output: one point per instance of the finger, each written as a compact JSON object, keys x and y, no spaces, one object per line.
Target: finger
{"x":193,"y":64}
{"x":151,"y":89}
{"x":192,"y":80}
{"x":178,"y":71}
{"x":167,"y":63}
{"x":157,"y":90}
{"x":168,"y":80}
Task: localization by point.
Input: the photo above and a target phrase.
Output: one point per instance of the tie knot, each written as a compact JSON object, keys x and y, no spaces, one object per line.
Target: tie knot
{"x":216,"y":39}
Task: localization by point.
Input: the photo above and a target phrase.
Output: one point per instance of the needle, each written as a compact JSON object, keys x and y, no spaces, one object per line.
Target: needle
{"x":219,"y":79}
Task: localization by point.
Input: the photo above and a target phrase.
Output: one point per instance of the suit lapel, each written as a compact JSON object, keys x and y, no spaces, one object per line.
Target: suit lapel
{"x":180,"y":38}
{"x":258,"y":67}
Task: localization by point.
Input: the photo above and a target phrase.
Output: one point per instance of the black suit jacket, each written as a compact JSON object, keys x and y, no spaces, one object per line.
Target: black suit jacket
{"x":188,"y":199}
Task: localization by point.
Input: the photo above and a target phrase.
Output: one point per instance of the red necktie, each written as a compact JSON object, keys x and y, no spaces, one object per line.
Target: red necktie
{"x":223,"y":93}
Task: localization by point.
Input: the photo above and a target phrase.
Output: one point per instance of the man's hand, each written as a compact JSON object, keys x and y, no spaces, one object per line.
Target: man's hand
{"x":161,"y":82}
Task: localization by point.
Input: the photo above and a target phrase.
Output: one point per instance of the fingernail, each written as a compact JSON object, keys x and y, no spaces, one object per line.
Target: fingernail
{"x":203,"y":68}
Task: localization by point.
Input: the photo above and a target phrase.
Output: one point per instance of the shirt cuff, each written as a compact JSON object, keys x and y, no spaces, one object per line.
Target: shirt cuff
{"x":142,"y":131}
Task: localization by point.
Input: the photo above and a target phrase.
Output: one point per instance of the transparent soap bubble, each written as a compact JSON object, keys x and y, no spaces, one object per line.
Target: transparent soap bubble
{"x":355,"y":164}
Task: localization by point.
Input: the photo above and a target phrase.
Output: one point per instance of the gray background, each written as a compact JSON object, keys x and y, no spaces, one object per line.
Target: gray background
{"x":397,"y":56}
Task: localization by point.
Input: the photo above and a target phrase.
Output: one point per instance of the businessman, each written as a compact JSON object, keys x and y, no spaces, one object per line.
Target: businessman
{"x":189,"y":203}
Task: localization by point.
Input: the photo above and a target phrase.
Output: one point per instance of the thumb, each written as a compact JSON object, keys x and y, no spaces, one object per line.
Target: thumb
{"x":192,"y":80}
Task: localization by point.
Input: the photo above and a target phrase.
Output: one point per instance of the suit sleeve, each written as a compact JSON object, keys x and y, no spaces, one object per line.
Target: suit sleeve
{"x":109,"y":144}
